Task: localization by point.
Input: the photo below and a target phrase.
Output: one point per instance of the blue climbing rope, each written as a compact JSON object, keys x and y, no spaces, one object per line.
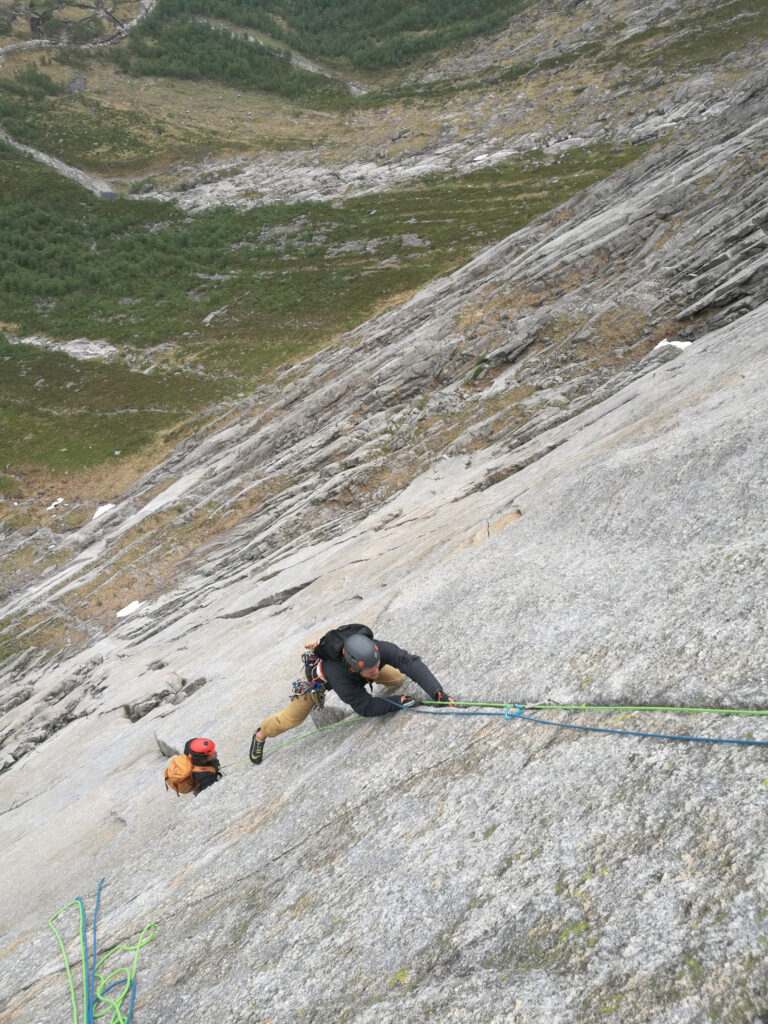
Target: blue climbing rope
{"x":632,"y":732}
{"x":508,"y":715}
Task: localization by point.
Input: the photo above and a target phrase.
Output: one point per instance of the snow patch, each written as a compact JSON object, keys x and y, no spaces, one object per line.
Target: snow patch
{"x":129,"y":609}
{"x":101,"y":510}
{"x":674,"y":344}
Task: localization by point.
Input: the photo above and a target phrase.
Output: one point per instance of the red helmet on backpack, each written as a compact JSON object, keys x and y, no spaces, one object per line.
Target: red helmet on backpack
{"x":200,"y":745}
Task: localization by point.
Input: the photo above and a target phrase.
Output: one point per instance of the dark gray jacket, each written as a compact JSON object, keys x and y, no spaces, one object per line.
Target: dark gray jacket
{"x":351,"y":687}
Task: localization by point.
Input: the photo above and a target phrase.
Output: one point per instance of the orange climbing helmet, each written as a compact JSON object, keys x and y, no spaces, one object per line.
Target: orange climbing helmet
{"x":201,"y":745}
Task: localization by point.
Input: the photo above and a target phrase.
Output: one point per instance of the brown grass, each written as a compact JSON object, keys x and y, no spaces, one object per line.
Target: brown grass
{"x":148,"y":559}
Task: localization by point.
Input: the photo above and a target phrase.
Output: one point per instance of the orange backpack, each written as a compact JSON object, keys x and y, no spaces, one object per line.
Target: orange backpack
{"x":178,"y":774}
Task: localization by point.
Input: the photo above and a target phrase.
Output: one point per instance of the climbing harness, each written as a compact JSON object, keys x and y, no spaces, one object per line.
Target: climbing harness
{"x":99,"y":1000}
{"x":313,"y":680}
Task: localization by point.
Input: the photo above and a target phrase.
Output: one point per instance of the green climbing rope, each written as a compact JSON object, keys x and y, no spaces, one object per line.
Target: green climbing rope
{"x":542,"y":706}
{"x":97,"y":1003}
{"x":546,"y":706}
{"x":297,"y":739}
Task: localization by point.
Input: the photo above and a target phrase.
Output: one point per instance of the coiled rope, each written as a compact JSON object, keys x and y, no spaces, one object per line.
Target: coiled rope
{"x":97,"y":1003}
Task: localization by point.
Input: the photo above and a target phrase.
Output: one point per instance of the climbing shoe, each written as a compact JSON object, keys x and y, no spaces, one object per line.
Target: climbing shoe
{"x":256,"y":753}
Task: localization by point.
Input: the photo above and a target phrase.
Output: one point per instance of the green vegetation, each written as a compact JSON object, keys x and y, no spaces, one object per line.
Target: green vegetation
{"x":280,"y":280}
{"x":565,"y":60}
{"x":400,"y":977}
{"x":356,"y":33}
{"x":138,"y":272}
{"x":38,"y":112}
{"x":719,"y":31}
{"x":190,"y":49}
{"x":22,"y":97}
{"x":572,"y":929}
{"x":213,"y":39}
{"x":69,"y":414}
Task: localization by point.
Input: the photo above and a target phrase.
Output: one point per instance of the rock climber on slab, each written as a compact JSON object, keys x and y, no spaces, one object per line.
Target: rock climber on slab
{"x":346,"y":660}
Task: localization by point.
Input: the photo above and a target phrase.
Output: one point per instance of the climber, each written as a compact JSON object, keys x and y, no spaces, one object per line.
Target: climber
{"x":345,"y":660}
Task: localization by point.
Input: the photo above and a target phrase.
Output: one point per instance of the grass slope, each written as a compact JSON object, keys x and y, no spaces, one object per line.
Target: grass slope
{"x":276,"y":282}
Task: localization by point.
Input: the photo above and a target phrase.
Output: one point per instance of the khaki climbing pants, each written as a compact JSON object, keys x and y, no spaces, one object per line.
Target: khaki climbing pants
{"x":296,"y":711}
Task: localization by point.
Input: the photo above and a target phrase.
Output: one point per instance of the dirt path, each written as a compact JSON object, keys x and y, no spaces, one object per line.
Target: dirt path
{"x":99,"y":186}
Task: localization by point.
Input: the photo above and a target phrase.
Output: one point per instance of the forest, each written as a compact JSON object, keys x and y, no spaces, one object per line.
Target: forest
{"x":28,"y":86}
{"x":194,"y":50}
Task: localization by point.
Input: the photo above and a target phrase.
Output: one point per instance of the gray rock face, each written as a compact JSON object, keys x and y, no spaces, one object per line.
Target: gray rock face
{"x":507,"y":477}
{"x":448,"y":866}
